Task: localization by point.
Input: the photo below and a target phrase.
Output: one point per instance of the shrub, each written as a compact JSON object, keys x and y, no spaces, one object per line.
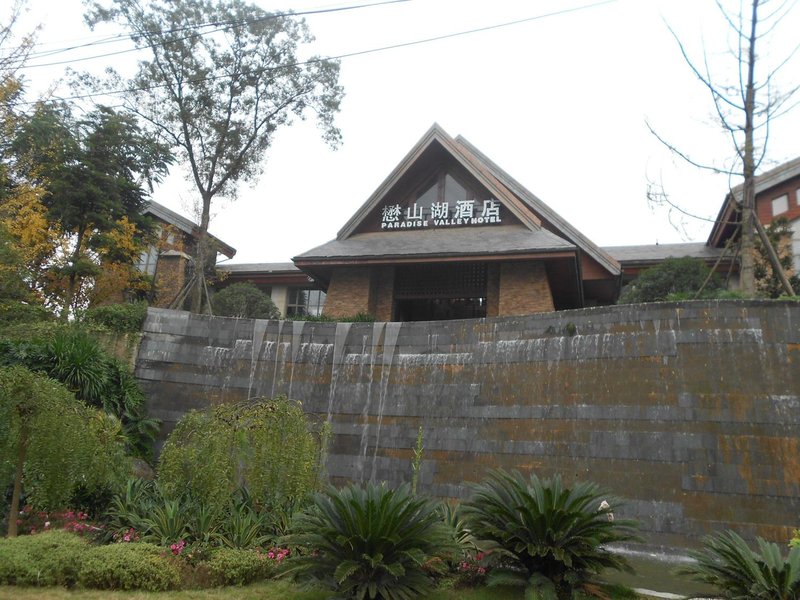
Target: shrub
{"x":232,"y":566}
{"x":137,"y":566}
{"x":121,"y":318}
{"x":14,"y":312}
{"x":727,"y":563}
{"x":246,"y":301}
{"x":370,"y":542}
{"x":674,"y":276}
{"x":49,"y":558}
{"x":548,"y":536}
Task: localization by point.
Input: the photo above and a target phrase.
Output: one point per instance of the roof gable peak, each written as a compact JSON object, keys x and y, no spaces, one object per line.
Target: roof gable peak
{"x":436,"y":135}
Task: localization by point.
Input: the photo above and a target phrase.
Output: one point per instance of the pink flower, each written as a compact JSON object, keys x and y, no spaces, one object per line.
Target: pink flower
{"x":177,"y":548}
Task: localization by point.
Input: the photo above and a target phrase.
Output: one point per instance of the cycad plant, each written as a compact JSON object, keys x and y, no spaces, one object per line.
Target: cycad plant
{"x":370,"y":542}
{"x":738,"y":573}
{"x":550,"y":538}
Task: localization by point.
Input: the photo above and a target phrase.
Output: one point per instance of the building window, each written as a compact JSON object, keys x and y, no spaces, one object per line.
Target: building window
{"x":440,"y":191}
{"x":304,"y":301}
{"x":147,"y":261}
{"x":780,"y":205}
{"x":795,"y":225}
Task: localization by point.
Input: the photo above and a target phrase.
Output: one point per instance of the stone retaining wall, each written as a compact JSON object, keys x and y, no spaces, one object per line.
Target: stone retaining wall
{"x":689,"y":411}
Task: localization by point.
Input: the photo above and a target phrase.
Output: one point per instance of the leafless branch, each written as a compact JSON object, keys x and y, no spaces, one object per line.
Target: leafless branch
{"x":682,"y":155}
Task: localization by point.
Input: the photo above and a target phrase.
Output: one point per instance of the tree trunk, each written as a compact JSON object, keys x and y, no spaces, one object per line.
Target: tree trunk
{"x":13,"y":512}
{"x":201,"y":256}
{"x":747,"y":274}
{"x":70,"y":292}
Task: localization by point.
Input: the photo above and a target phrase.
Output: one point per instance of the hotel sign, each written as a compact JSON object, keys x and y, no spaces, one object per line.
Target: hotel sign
{"x":462,"y":213}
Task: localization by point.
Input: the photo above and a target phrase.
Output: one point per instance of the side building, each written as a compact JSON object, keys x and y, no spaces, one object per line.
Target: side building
{"x":169,"y":261}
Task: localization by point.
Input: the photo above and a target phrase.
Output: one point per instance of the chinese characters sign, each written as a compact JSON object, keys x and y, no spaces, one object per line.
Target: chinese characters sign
{"x":442,"y":214}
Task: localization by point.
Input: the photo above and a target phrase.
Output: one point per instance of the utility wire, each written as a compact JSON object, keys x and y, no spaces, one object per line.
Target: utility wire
{"x":220,"y":25}
{"x":356,"y":53}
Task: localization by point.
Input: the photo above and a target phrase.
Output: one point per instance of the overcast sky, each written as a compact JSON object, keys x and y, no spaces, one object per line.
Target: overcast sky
{"x":560,"y":102}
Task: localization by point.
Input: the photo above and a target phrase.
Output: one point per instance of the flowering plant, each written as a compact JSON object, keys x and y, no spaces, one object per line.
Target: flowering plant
{"x":177,"y":547}
{"x":472,"y":569}
{"x":274,"y":553}
{"x":30,"y":521}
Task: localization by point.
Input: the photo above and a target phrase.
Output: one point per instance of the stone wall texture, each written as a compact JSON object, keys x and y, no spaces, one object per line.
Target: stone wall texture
{"x":690,"y":412}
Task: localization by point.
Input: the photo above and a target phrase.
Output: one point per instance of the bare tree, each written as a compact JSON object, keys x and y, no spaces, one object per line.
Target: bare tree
{"x":745,"y":110}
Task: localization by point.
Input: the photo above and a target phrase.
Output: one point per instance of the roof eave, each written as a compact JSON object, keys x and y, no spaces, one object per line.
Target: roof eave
{"x":569,"y":232}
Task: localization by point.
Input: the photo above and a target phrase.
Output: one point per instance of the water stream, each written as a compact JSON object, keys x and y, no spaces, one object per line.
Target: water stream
{"x":339,"y":341}
{"x":389,"y":345}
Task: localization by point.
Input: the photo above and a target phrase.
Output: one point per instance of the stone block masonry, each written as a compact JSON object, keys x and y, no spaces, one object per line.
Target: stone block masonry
{"x":689,"y":411}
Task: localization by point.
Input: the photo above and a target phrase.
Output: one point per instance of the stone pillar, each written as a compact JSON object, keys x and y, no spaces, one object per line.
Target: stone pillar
{"x":279,"y":295}
{"x":524,"y":289}
{"x":382,"y":293}
{"x":348,"y":292}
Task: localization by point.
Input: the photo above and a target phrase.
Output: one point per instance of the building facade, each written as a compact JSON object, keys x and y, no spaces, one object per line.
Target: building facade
{"x":449,"y":235}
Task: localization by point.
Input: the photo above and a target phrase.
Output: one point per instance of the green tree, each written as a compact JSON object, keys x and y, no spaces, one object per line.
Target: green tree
{"x":75,"y":359}
{"x":92,"y":170}
{"x":50,"y":442}
{"x":12,"y":270}
{"x":244,"y":300}
{"x":265,"y":446}
{"x":222,"y":79}
{"x":679,"y":276}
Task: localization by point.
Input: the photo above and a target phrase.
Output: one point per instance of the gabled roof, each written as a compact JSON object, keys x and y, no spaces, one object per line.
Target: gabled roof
{"x":437,"y":135}
{"x":728,"y":213}
{"x":551,"y":231}
{"x":187,"y":226}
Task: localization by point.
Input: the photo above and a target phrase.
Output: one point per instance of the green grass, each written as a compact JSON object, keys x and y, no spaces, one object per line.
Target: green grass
{"x":271,"y":590}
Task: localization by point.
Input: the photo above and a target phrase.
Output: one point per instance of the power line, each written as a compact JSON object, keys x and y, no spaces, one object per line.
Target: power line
{"x":358,"y":52}
{"x":220,"y":25}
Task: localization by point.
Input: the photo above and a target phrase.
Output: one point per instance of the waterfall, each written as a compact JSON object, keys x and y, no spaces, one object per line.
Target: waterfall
{"x":297,"y":338}
{"x":389,"y":346}
{"x":259,"y":330}
{"x":377,"y":330}
{"x":339,"y":340}
{"x":277,"y":352}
